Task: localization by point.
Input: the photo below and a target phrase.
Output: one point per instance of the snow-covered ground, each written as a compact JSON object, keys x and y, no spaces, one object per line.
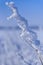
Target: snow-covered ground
{"x":15,"y":51}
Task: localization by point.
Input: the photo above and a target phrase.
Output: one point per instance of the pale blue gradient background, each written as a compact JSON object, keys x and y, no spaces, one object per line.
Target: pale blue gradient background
{"x":32,"y":10}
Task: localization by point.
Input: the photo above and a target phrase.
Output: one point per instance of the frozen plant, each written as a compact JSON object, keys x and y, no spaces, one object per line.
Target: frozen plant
{"x":26,"y":35}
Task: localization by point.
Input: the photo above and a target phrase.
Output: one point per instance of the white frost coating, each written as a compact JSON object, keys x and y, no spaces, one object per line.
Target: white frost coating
{"x":11,"y":3}
{"x":20,"y":20}
{"x":13,"y":9}
{"x":22,"y":23}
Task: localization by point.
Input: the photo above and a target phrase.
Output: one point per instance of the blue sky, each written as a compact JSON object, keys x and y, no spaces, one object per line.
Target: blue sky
{"x":32,"y":10}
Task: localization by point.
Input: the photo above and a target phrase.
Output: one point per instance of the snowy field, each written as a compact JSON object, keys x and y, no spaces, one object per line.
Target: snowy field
{"x":15,"y":51}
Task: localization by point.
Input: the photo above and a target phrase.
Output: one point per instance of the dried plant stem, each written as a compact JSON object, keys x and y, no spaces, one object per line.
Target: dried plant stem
{"x":37,"y":51}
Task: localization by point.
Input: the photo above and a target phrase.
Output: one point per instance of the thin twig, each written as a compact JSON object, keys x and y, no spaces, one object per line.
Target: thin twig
{"x":37,"y":51}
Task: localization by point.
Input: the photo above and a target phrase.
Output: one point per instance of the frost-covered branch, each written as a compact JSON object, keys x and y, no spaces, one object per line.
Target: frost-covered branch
{"x":22,"y":22}
{"x":25,"y":34}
